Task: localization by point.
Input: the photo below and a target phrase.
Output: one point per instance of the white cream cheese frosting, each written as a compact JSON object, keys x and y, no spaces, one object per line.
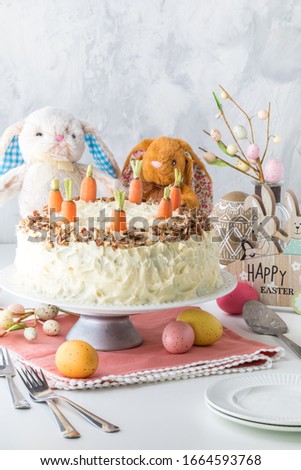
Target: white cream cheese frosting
{"x":84,"y":273}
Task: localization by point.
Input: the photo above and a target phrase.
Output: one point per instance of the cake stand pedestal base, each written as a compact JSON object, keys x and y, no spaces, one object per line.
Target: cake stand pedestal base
{"x":106,"y":333}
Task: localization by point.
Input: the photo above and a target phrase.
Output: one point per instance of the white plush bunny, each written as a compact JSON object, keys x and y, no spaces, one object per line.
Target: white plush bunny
{"x":293,"y":225}
{"x":47,"y":144}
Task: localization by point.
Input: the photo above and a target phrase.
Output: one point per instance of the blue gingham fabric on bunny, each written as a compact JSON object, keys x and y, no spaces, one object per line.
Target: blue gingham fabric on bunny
{"x":101,"y":160}
{"x":12,"y":156}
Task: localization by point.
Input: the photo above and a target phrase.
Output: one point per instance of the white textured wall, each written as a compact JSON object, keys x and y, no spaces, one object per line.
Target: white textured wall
{"x":145,"y":68}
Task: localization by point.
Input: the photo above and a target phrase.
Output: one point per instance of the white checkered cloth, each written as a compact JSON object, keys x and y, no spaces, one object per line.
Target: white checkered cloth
{"x":12,"y":157}
{"x":100,"y":158}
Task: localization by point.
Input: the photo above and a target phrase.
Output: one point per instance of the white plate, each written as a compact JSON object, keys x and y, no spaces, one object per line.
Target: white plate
{"x":266,"y":398}
{"x":255,"y":424}
{"x":9,"y":282}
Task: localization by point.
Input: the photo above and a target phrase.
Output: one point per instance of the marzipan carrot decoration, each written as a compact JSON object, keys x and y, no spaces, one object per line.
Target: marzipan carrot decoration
{"x":68,"y":205}
{"x":165,"y":208}
{"x":88,"y":187}
{"x":119,"y":217}
{"x":135,"y":192}
{"x":55,"y":197}
{"x":175,"y":192}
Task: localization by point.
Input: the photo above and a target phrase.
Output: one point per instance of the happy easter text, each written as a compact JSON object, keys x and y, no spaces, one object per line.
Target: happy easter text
{"x":269,"y":275}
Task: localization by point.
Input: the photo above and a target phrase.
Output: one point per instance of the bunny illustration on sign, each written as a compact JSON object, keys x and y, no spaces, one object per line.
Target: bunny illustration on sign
{"x":46,"y":144}
{"x":266,"y":231}
{"x":293,"y":225}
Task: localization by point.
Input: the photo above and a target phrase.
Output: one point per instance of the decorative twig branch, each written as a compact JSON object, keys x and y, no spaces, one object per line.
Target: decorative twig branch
{"x":230,"y":165}
{"x":242,"y":110}
{"x":250,"y":160}
{"x":268,"y":134}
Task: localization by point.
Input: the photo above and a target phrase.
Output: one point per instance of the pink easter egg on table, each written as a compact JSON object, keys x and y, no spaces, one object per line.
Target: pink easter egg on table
{"x":16,"y":308}
{"x":273,"y":171}
{"x":178,"y":337}
{"x":234,"y":301}
{"x":253,"y":152}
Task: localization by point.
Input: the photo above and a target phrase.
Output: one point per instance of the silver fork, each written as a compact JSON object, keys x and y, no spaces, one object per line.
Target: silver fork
{"x":7,"y":370}
{"x":39,"y":390}
{"x":67,"y":429}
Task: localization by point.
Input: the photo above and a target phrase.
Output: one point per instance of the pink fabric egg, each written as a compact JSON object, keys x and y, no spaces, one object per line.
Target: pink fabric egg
{"x":234,"y":301}
{"x":178,"y":337}
{"x":253,"y":152}
{"x":273,"y":171}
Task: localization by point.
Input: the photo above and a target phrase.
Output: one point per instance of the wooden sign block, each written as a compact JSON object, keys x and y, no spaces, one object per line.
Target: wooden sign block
{"x":276,"y":278}
{"x":276,"y":275}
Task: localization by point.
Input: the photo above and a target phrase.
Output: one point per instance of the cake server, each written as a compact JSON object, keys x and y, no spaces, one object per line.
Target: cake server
{"x":7,"y":370}
{"x":265,"y":321}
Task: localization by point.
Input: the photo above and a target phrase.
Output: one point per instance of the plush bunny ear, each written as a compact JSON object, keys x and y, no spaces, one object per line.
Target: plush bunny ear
{"x":191,"y":158}
{"x":10,"y":154}
{"x":102,"y":156}
{"x":137,"y":152}
{"x":291,"y":202}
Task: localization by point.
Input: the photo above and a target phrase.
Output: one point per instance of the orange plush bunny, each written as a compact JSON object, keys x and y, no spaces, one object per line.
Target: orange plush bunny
{"x":160,"y":158}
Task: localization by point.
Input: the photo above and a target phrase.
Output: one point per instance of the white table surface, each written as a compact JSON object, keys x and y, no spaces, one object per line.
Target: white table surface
{"x":166,"y":415}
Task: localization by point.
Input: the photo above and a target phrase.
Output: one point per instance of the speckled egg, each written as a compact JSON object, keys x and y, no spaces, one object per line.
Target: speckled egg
{"x":16,"y":308}
{"x":215,"y":135}
{"x":178,"y":337}
{"x":242,"y":166}
{"x":76,"y":359}
{"x":6,"y":319}
{"x":273,"y":171}
{"x":253,"y":152}
{"x":30,"y":333}
{"x":51,"y":327}
{"x":234,"y":301}
{"x":46,"y":311}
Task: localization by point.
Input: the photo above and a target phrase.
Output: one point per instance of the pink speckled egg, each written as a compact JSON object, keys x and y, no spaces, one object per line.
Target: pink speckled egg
{"x":253,"y":152}
{"x":234,"y":301}
{"x":273,"y":171}
{"x":178,"y":337}
{"x":16,"y":308}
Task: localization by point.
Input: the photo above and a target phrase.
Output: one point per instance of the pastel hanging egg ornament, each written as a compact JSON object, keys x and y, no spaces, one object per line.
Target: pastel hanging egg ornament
{"x":240,"y":132}
{"x":276,"y":139}
{"x":262,"y":114}
{"x":253,"y":152}
{"x":242,"y":166}
{"x":232,"y":149}
{"x":224,"y":95}
{"x":273,"y":171}
{"x":209,"y":157}
{"x":215,"y":135}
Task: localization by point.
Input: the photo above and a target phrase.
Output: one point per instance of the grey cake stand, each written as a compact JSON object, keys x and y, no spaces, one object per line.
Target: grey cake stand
{"x":107,"y":327}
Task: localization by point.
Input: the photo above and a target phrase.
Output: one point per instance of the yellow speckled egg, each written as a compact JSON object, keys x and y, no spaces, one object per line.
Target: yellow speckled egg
{"x":76,"y":359}
{"x":207,"y":328}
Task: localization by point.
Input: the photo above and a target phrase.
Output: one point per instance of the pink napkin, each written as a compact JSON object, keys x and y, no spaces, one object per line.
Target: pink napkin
{"x":149,"y":362}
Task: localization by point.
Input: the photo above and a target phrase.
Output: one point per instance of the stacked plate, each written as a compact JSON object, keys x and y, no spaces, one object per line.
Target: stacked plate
{"x":262,"y":400}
